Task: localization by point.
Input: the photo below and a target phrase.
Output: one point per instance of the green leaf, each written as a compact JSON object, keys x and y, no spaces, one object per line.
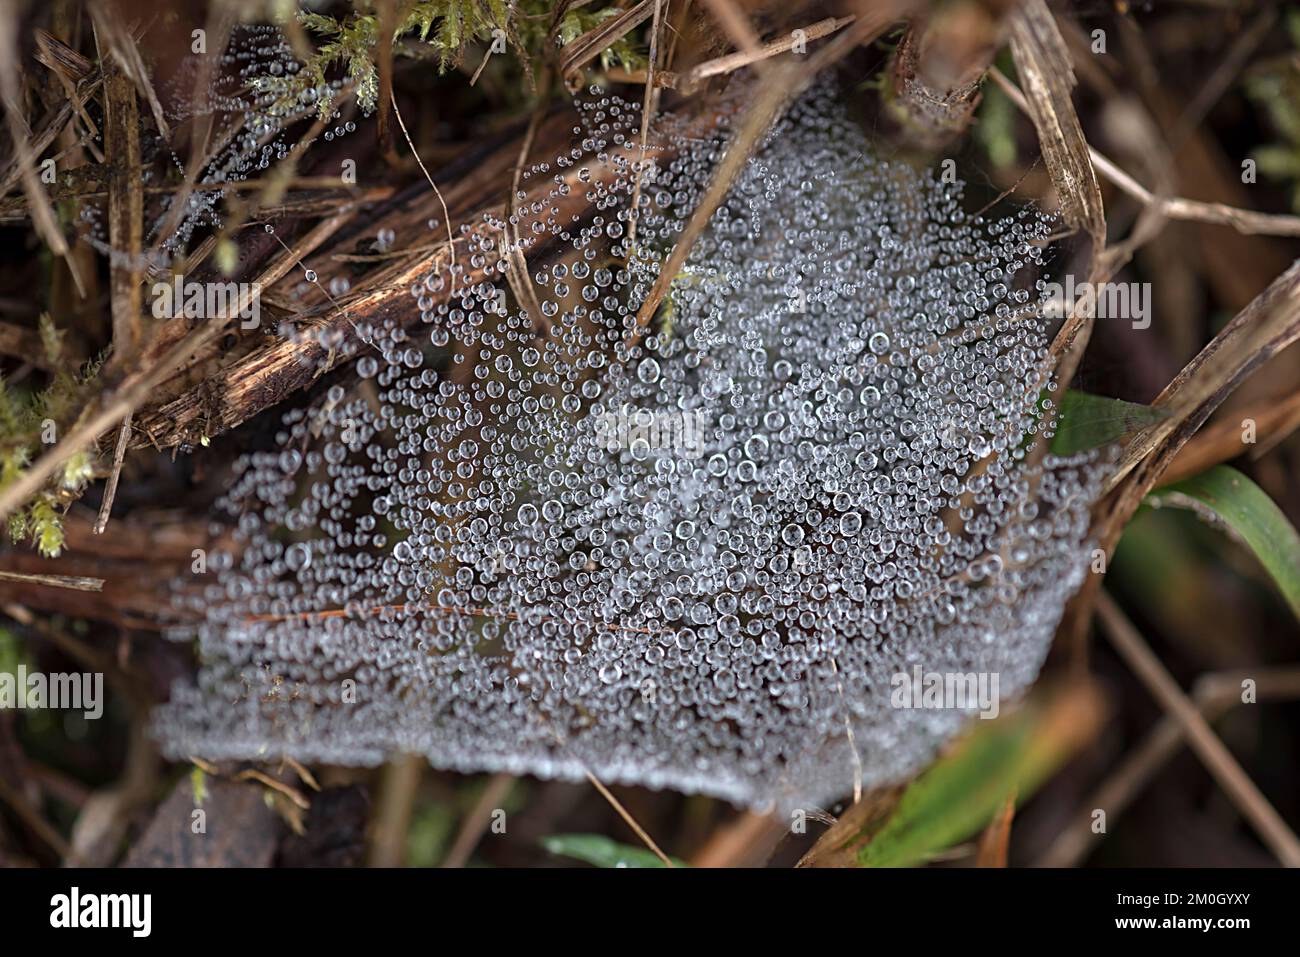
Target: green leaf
{"x":1087,"y":421}
{"x":601,"y":851}
{"x":950,"y":802}
{"x":1232,"y":499}
{"x":959,"y":794}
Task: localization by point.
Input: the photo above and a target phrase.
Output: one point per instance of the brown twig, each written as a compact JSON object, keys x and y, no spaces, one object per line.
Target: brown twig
{"x":219,"y":23}
{"x":691,"y":80}
{"x":138,"y":387}
{"x":628,"y":819}
{"x":996,"y":839}
{"x":125,"y":216}
{"x":1218,"y":760}
{"x":647,"y":108}
{"x":1275,"y":420}
{"x":74,"y":582}
{"x":1244,"y":221}
{"x":387,"y":27}
{"x":48,"y":133}
{"x":933,"y":83}
{"x":746,"y":841}
{"x":42,"y":828}
{"x":477,"y":820}
{"x":1268,"y":325}
{"x":110,"y":490}
{"x":399,"y":784}
{"x":261,"y":777}
{"x":25,"y":152}
{"x":778,"y":88}
{"x":1213,"y":694}
{"x":587,"y":47}
{"x":1048,"y":74}
{"x":738,"y":29}
{"x":111,"y":31}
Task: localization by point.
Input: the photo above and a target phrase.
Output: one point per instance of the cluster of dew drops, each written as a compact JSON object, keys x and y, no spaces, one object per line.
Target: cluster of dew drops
{"x":255,"y":91}
{"x":452,"y":558}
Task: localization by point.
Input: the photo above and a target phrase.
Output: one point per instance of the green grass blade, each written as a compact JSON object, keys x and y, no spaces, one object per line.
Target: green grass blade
{"x":959,"y":794}
{"x":1087,"y":421}
{"x":601,"y":851}
{"x":951,"y":801}
{"x":1234,"y":500}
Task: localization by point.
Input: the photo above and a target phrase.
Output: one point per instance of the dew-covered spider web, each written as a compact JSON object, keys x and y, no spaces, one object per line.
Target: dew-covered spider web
{"x":690,"y":553}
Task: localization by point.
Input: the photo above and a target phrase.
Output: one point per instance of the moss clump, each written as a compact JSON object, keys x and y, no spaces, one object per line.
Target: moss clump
{"x":31,"y":421}
{"x":446,"y":28}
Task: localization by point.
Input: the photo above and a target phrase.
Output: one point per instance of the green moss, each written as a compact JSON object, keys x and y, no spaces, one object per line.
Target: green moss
{"x":446,"y":28}
{"x":51,"y":339}
{"x":30,"y":422}
{"x":46,"y":526}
